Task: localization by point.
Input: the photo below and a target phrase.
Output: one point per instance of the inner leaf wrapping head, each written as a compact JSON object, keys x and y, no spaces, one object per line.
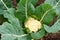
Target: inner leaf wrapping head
{"x":33,"y":25}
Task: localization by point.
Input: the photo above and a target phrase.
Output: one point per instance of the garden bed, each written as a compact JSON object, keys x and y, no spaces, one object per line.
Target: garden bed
{"x":20,"y":23}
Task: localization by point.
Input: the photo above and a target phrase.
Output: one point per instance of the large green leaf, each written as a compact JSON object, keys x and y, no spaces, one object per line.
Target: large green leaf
{"x":39,"y":34}
{"x":11,"y":37}
{"x":8,"y":3}
{"x":9,"y":32}
{"x":12,"y":30}
{"x":1,"y":5}
{"x":20,"y":14}
{"x":41,"y":10}
{"x":15,"y":37}
{"x":21,"y":6}
{"x":53,"y":3}
{"x":2,"y":8}
{"x":2,"y":11}
{"x":10,"y":10}
{"x":13,"y":20}
{"x":53,"y":29}
{"x":31,"y":9}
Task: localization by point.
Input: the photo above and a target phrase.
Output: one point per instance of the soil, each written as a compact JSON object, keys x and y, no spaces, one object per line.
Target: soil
{"x":52,"y":36}
{"x":39,"y":2}
{"x":14,"y":3}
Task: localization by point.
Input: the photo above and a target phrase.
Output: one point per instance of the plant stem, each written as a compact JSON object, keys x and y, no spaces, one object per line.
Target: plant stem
{"x":15,"y":35}
{"x":4,"y":4}
{"x":48,"y":11}
{"x":26,"y":8}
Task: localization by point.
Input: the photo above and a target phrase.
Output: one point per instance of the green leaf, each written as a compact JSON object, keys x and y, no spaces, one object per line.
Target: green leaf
{"x":14,"y":21}
{"x":38,"y":35}
{"x":34,"y":2}
{"x":14,"y":37}
{"x":2,"y":8}
{"x":53,"y":3}
{"x":41,"y":10}
{"x":20,"y":14}
{"x":2,"y":11}
{"x":1,"y":5}
{"x":2,"y":19}
{"x":13,"y":29}
{"x":21,"y":6}
{"x":11,"y":11}
{"x":8,"y":3}
{"x":53,"y":29}
{"x":31,"y":9}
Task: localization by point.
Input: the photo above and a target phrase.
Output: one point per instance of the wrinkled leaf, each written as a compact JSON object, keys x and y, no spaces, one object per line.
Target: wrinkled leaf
{"x":12,"y":30}
{"x":14,"y":37}
{"x":53,"y":3}
{"x":53,"y":29}
{"x":40,"y":11}
{"x":38,"y":35}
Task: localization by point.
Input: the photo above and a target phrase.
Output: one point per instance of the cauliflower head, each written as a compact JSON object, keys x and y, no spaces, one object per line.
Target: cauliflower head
{"x":33,"y":24}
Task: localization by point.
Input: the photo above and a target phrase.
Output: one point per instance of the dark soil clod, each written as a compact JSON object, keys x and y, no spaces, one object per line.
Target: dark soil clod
{"x":52,"y":36}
